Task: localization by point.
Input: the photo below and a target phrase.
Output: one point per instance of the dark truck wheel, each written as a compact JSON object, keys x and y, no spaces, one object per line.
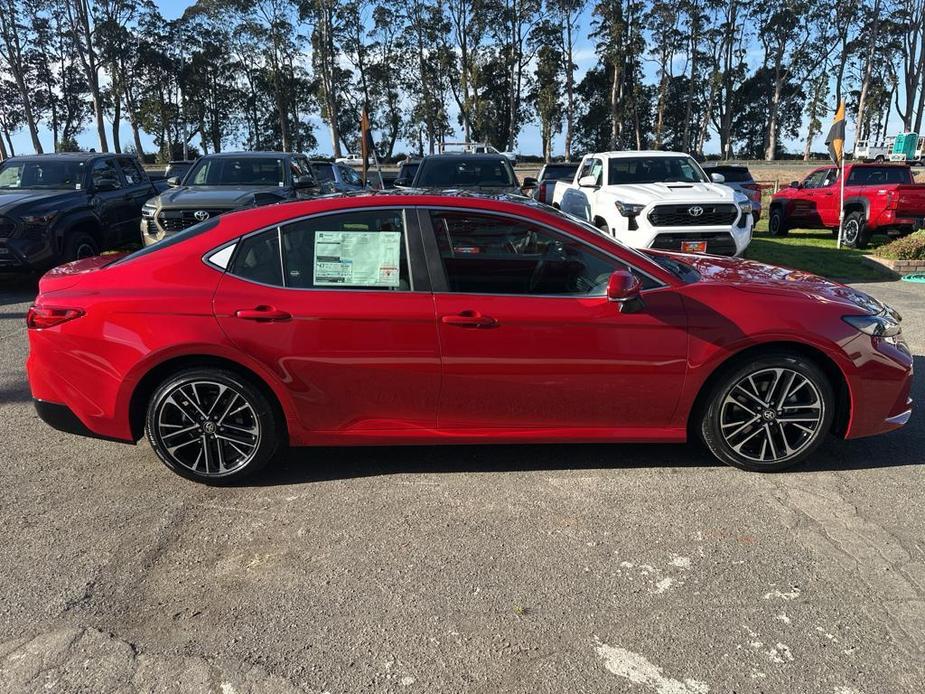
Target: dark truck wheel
{"x":80,"y":245}
{"x":769,"y":413}
{"x":856,"y":234}
{"x":777,"y":222}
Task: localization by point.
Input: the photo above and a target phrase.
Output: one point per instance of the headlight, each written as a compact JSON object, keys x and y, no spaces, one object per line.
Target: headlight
{"x":628,"y":209}
{"x":881,"y":325}
{"x":745,"y":207}
{"x":147,"y":211}
{"x":40,"y":219}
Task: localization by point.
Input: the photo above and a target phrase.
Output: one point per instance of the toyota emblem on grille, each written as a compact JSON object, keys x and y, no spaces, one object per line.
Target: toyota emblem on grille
{"x":202,"y":215}
{"x":694,"y":211}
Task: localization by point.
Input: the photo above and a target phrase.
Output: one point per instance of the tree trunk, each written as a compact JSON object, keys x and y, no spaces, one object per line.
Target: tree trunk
{"x":569,"y":88}
{"x":3,"y":154}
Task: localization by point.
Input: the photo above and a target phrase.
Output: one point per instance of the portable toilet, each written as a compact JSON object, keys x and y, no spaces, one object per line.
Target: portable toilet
{"x":904,"y":147}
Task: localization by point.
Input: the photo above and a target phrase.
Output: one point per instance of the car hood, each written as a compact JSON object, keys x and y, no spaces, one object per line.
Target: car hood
{"x":644,"y":193}
{"x":228,"y":197}
{"x":752,"y":276}
{"x":11,"y":199}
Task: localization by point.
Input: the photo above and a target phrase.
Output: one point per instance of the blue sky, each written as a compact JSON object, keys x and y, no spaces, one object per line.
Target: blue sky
{"x":529,"y":141}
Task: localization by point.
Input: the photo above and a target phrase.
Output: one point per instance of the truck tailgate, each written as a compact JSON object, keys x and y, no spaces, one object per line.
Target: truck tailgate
{"x":909,"y":200}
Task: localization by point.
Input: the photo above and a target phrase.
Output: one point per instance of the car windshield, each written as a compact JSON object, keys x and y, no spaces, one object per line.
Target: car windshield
{"x":733,"y":174}
{"x":559,"y":172}
{"x":47,"y":174}
{"x":628,"y":170}
{"x":463,"y":172}
{"x":324,"y":172}
{"x":237,"y":171}
{"x":409,"y":170}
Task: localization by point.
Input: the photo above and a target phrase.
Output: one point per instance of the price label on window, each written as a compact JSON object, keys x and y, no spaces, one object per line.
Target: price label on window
{"x":357,"y":258}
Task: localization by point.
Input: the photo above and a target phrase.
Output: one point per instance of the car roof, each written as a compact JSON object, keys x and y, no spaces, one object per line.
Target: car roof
{"x":626,"y":154}
{"x":248,"y":155}
{"x":481,"y":156}
{"x":79,"y":156}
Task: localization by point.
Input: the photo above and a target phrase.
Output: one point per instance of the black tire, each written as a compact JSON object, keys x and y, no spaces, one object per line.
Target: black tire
{"x":79,"y":245}
{"x":756,"y":446}
{"x":856,"y":234}
{"x":231,"y":446}
{"x":777,"y":222}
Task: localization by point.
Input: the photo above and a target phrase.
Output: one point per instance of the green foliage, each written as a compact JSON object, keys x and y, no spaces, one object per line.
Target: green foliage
{"x":906,"y":248}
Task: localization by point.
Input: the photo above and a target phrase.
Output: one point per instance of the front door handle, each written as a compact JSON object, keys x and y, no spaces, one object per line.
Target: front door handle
{"x":470,"y":319}
{"x":262,"y":314}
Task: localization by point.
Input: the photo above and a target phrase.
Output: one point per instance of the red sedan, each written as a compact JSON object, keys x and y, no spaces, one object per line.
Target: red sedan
{"x":420,"y":319}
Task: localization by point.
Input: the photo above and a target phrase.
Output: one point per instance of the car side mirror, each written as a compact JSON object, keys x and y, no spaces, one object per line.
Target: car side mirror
{"x":402,"y":182}
{"x":588,"y":181}
{"x":173,"y":181}
{"x":796,"y":184}
{"x":717,"y":178}
{"x":303,"y":182}
{"x":623,"y":288}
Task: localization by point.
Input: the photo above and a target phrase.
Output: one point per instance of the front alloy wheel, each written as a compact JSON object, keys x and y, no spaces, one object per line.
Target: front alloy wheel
{"x":211,"y":425}
{"x":770,"y":414}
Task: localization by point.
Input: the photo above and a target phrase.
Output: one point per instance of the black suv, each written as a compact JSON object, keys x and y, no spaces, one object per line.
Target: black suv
{"x":487,"y":173}
{"x":60,"y":207}
{"x":219,"y":183}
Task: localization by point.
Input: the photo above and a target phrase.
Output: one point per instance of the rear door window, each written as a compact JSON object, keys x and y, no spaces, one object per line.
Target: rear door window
{"x":352,"y":250}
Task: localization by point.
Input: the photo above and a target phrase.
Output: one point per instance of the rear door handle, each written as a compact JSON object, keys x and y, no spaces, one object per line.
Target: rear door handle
{"x":263,"y":314}
{"x":470,"y":319}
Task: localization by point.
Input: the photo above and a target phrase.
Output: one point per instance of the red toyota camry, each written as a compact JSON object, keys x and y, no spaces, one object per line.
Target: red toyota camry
{"x":421,"y":319}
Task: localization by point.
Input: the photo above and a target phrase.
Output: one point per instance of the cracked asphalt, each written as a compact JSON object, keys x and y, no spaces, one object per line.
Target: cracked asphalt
{"x":467,"y":569}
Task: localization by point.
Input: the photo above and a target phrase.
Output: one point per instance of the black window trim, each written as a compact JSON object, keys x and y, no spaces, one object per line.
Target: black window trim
{"x":438,"y":280}
{"x":417,"y":277}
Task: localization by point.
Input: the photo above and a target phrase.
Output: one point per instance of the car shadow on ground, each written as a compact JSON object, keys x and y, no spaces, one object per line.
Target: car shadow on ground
{"x":302,"y":465}
{"x":17,"y":289}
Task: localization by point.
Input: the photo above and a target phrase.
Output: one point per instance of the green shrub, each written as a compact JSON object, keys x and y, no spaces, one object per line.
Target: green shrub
{"x":907,"y":248}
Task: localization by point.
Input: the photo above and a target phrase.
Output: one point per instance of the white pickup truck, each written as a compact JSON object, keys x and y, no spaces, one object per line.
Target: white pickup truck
{"x":661,"y":200}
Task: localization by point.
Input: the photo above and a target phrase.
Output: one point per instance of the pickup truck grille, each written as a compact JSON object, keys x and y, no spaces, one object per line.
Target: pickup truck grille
{"x":178,"y":220}
{"x":681,"y":215}
{"x":718,"y":242}
{"x":6,"y":227}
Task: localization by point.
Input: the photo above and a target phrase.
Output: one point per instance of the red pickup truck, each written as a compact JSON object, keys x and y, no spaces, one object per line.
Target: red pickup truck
{"x":879,"y":198}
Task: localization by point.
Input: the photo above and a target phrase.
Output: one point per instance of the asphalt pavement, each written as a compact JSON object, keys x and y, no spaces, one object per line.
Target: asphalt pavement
{"x":487,"y":569}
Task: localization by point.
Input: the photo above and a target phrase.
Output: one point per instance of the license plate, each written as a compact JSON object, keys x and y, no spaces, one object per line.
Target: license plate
{"x":694,"y":246}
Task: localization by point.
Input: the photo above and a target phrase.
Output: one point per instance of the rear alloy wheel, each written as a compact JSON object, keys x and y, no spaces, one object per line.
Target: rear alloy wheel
{"x":212,"y":426}
{"x":777,"y":222}
{"x":768,"y":414}
{"x":855,"y":234}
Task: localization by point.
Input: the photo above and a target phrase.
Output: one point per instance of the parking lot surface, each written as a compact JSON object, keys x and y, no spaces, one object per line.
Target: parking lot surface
{"x":463,"y":569}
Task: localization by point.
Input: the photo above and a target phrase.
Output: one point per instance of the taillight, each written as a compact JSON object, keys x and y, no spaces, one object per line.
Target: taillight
{"x":891,"y":200}
{"x":39,"y":317}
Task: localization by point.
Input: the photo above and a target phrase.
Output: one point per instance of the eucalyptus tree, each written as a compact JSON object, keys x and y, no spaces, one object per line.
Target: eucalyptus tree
{"x":664,"y":27}
{"x":567,"y":15}
{"x":12,"y":116}
{"x":16,"y":37}
{"x":546,"y":95}
{"x":910,"y":99}
{"x":82,"y":24}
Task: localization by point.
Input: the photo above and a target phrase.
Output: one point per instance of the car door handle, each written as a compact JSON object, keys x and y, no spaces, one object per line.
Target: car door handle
{"x":262,"y":314}
{"x":470,"y":319}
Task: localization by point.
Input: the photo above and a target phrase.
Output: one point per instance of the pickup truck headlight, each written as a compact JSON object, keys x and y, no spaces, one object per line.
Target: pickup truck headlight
{"x":629,"y":209}
{"x":39,"y":219}
{"x":147,"y":211}
{"x":745,"y":207}
{"x":881,"y":325}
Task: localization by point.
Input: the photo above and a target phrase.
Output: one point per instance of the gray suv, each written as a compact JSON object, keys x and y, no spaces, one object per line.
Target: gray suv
{"x":219,"y":183}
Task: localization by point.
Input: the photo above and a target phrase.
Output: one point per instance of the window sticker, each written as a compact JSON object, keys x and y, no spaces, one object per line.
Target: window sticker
{"x":357,"y":258}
